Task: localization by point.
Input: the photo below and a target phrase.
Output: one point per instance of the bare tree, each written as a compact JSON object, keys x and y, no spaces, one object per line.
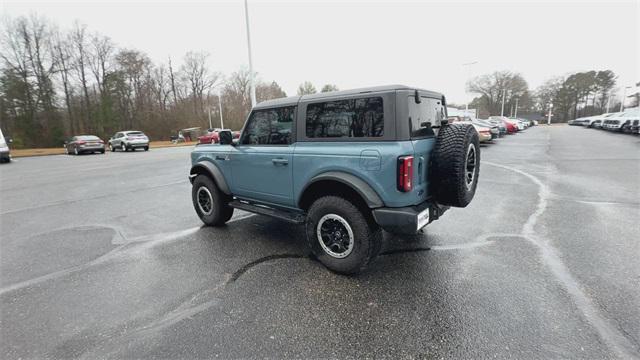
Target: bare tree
{"x":199,"y":78}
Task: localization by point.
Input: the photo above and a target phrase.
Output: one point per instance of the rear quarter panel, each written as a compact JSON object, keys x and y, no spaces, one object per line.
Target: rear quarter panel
{"x":375,"y":162}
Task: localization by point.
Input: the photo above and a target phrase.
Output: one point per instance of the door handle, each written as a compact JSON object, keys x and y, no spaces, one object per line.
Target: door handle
{"x":280,"y":161}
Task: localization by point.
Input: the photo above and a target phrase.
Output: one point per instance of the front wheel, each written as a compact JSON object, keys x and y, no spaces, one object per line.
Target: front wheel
{"x":112,"y":148}
{"x":211,"y":205}
{"x":341,"y":235}
{"x":123,"y":147}
{"x":146,"y":148}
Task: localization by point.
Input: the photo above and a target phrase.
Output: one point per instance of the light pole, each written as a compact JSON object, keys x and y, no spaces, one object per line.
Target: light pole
{"x":515,"y":115}
{"x":220,"y":105}
{"x":624,"y":96}
{"x":550,"y":108}
{"x":210,"y":126}
{"x":468,"y":66}
{"x":251,"y":77}
{"x":608,"y":102}
{"x":504,"y":92}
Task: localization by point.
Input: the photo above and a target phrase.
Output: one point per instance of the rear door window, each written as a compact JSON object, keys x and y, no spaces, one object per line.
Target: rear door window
{"x":348,"y":118}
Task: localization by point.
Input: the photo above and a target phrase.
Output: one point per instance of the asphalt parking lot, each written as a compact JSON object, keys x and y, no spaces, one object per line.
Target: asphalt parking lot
{"x":102,"y":256}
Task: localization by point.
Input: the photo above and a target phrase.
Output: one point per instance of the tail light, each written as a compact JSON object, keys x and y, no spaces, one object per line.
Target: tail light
{"x":405,"y":173}
{"x":81,"y":142}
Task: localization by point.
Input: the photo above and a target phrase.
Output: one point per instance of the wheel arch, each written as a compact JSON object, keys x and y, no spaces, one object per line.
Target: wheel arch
{"x":342,"y":184}
{"x":208,"y":169}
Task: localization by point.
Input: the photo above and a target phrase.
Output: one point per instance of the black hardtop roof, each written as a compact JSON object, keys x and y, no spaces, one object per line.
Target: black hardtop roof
{"x":293,"y":100}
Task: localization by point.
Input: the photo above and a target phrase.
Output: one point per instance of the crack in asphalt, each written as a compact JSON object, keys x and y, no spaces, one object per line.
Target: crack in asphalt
{"x":615,"y":338}
{"x":241,"y":271}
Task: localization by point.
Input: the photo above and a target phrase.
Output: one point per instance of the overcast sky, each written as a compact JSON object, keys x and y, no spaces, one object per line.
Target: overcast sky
{"x":362,"y":43}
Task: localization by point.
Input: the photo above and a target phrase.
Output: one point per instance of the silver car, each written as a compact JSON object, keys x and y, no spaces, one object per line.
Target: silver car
{"x":84,"y":144}
{"x":129,"y":140}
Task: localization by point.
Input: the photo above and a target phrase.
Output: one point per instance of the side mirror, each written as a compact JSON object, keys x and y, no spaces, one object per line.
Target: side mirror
{"x":226,"y":137}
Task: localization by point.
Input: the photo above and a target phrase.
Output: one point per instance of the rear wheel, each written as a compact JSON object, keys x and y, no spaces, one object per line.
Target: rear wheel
{"x":211,"y":205}
{"x":111,"y":147}
{"x":341,"y":235}
{"x":146,"y":148}
{"x":75,"y":150}
{"x":456,"y":165}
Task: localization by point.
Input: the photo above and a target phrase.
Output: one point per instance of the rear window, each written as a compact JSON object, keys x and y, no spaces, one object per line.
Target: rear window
{"x":88,"y":137}
{"x":430,"y":112}
{"x":351,"y":118}
{"x":135,"y":133}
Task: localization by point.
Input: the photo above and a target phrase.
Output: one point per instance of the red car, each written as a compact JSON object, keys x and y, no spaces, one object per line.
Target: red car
{"x":212,"y":136}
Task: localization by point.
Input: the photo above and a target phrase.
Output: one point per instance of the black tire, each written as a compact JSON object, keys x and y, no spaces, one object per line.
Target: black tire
{"x":124,"y":147}
{"x":101,"y":151}
{"x":219,"y":211}
{"x":112,"y":148}
{"x":456,"y":165}
{"x":146,"y":148}
{"x":365,"y":238}
{"x":75,"y":150}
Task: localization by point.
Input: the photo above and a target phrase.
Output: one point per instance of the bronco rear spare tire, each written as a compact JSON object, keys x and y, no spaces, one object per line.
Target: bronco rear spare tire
{"x":456,"y":165}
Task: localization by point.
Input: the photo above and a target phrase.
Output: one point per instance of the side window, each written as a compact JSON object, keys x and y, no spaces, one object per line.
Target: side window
{"x":428,"y":111}
{"x":269,"y":127}
{"x":346,"y":118}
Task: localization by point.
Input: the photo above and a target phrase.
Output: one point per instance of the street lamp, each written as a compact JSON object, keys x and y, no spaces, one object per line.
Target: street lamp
{"x":550,"y":108}
{"x":624,"y":96}
{"x":251,"y":77}
{"x":504,"y":93}
{"x":515,"y":115}
{"x":220,"y":105}
{"x":468,"y":67}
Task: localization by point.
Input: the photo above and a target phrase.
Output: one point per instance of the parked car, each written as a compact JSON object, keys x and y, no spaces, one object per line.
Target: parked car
{"x":598,"y":120}
{"x":5,"y":152}
{"x":346,"y":164}
{"x":81,"y":144}
{"x":509,"y":126}
{"x":493,"y":129}
{"x":211,"y":137}
{"x":622,"y":121}
{"x":635,"y":127}
{"x":484,"y":133}
{"x":129,"y":140}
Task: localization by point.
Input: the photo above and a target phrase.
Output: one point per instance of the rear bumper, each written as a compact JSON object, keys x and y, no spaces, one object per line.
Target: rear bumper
{"x":410,"y":219}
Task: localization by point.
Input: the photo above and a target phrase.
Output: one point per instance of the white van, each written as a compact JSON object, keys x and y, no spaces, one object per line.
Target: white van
{"x":5,"y":154}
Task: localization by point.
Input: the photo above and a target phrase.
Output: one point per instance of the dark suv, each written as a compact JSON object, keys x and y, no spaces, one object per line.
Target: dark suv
{"x":347,"y":164}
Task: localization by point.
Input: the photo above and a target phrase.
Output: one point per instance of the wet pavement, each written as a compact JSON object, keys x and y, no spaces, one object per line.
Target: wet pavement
{"x":102,"y":256}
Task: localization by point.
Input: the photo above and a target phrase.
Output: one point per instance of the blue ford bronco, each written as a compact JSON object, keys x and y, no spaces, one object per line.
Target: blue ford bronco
{"x":346,"y":164}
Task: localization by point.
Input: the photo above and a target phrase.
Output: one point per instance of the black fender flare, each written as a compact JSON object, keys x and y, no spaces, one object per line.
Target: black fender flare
{"x":368,"y":194}
{"x":211,"y":170}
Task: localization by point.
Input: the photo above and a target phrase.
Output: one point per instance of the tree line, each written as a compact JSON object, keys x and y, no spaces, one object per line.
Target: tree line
{"x":55,"y":83}
{"x":573,"y":95}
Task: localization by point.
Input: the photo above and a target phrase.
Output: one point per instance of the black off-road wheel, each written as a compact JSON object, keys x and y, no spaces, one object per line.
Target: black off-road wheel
{"x":211,"y":205}
{"x":456,"y":165}
{"x":341,"y":235}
